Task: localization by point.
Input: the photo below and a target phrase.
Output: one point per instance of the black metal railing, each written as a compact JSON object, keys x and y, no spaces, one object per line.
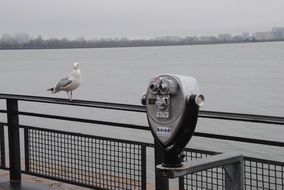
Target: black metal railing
{"x":89,"y":161}
{"x":209,"y":179}
{"x":258,"y":174}
{"x":263,"y":174}
{"x":110,"y":163}
{"x":2,"y":148}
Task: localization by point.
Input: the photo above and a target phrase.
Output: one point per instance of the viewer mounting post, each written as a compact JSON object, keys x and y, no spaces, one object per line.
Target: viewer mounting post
{"x":14,"y":140}
{"x":160,"y":181}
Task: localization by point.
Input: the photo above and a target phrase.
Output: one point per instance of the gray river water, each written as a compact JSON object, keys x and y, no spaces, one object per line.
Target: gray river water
{"x":245,"y":78}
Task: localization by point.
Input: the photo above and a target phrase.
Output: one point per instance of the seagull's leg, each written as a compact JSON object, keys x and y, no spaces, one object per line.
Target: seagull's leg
{"x":68,"y":95}
{"x":71,"y":95}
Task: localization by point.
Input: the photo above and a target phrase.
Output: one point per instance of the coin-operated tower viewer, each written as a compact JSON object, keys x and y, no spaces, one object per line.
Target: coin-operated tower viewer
{"x":172,"y":103}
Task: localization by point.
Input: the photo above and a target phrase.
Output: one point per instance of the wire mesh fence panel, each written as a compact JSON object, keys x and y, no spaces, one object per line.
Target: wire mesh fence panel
{"x":90,"y":161}
{"x":2,"y":147}
{"x":208,"y":179}
{"x":258,"y":174}
{"x":263,"y":174}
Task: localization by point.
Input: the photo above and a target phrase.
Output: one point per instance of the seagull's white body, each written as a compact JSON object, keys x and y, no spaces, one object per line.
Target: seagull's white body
{"x":75,"y":78}
{"x":70,"y":83}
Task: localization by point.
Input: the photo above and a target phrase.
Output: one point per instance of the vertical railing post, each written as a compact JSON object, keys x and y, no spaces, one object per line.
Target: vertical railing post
{"x":161,"y":182}
{"x":144,"y":167}
{"x":14,"y":140}
{"x":234,"y":176}
{"x":181,"y":183}
{"x":26,"y":144}
{"x":2,"y":139}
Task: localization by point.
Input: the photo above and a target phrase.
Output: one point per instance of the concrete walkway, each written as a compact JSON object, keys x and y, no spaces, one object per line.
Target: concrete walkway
{"x":34,"y":183}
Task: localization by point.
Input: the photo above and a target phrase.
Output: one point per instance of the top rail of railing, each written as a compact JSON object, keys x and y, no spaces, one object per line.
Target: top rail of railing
{"x":137,"y":108}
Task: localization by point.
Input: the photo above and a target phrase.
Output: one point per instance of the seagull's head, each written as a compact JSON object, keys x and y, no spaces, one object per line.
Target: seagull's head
{"x":76,"y":66}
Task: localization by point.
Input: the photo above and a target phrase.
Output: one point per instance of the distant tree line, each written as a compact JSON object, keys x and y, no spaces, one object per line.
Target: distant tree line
{"x":23,"y":41}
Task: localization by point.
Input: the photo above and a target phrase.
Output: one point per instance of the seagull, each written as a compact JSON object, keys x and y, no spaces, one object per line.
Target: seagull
{"x":70,"y":83}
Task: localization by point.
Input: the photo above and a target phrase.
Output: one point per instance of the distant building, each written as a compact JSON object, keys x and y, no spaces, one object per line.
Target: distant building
{"x":21,"y":38}
{"x":225,"y":37}
{"x":169,"y":38}
{"x":192,"y":39}
{"x":246,"y":36}
{"x":209,"y":39}
{"x":278,"y":33}
{"x":263,"y":35}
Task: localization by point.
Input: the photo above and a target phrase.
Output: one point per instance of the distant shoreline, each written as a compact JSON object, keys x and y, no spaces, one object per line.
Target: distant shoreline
{"x":165,"y":44}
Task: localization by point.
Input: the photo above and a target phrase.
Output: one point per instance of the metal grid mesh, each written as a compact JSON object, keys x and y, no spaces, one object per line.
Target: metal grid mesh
{"x":258,"y":174}
{"x":2,"y":147}
{"x":208,"y":179}
{"x":263,"y":175}
{"x":94,"y":162}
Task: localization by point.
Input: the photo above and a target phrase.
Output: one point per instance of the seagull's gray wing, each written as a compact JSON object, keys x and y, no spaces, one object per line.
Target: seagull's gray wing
{"x":62,"y":83}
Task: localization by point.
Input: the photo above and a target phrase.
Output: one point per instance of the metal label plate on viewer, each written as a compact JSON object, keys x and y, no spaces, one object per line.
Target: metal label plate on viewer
{"x":164,"y":131}
{"x":162,"y":114}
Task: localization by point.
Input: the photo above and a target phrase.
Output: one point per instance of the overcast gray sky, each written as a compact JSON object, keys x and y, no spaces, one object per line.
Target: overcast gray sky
{"x":138,"y":18}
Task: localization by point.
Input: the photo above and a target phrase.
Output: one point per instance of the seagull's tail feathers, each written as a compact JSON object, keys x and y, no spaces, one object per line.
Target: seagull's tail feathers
{"x":52,"y":90}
